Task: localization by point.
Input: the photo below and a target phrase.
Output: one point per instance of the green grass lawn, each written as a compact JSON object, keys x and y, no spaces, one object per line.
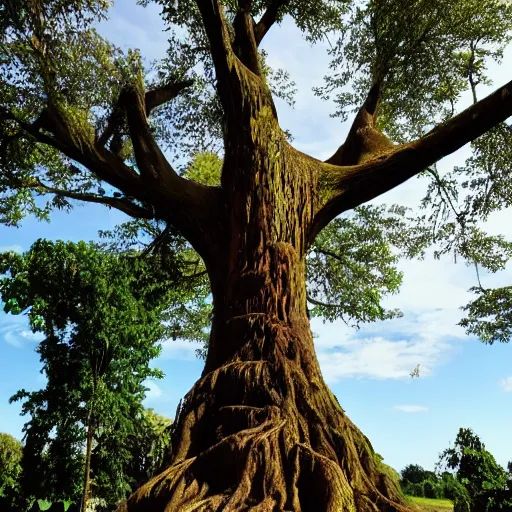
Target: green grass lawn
{"x":428,"y":505}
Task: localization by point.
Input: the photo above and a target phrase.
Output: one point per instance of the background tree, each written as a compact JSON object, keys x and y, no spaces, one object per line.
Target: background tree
{"x":485,"y":481}
{"x":11,"y":452}
{"x":260,"y":429}
{"x":143,"y":447}
{"x":102,"y":325}
{"x":414,"y":474}
{"x":150,"y":447}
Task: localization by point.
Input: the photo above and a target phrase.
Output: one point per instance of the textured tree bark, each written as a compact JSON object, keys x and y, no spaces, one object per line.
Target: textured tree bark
{"x":260,"y":430}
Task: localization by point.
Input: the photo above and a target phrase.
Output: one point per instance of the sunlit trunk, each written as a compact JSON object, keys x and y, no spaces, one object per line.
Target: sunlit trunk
{"x":260,"y":430}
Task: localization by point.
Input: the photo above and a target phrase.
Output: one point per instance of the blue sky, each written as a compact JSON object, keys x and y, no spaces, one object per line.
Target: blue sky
{"x":463,"y":383}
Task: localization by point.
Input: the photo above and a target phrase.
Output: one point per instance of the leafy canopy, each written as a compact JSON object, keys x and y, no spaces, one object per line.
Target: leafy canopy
{"x":62,"y":120}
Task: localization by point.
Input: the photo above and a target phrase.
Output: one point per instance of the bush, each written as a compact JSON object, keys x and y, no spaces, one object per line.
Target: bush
{"x":430,"y":489}
{"x":450,"y":487}
{"x":461,"y":499}
{"x":414,"y":489}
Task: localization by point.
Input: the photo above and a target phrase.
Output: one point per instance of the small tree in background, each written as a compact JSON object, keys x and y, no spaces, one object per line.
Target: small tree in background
{"x":11,"y":451}
{"x":149,"y":447}
{"x":486,"y":483}
{"x":101,"y":326}
{"x":414,"y":474}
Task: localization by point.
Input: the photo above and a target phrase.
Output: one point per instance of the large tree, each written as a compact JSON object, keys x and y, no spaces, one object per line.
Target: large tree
{"x":80,"y":121}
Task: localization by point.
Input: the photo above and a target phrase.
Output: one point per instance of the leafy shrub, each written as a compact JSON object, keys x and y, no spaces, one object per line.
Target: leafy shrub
{"x":461,"y":499}
{"x":430,"y":489}
{"x":414,"y":489}
{"x":449,"y":485}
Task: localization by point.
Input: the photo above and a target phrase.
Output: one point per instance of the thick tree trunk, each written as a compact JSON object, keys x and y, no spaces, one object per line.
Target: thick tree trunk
{"x":260,"y":430}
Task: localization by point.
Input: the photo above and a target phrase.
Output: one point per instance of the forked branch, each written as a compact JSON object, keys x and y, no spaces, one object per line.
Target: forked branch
{"x":152,"y":99}
{"x":268,"y":19}
{"x":152,"y":164}
{"x":346,"y":187}
{"x":364,"y":141}
{"x":192,"y":208}
{"x":245,"y":41}
{"x":236,"y":61}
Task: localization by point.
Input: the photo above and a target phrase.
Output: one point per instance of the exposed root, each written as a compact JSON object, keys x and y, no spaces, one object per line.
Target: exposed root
{"x":265,"y":434}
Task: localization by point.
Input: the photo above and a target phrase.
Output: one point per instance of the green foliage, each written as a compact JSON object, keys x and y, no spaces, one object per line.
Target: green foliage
{"x":414,"y":490}
{"x":430,"y":489}
{"x":171,"y":260}
{"x":413,"y":474}
{"x":490,"y":315}
{"x":205,"y":168}
{"x":425,"y":55}
{"x":102,"y":323}
{"x":421,"y":52}
{"x":419,"y":482}
{"x":486,"y":484}
{"x":50,"y":51}
{"x":351,"y":266}
{"x":11,"y":451}
{"x":149,"y":447}
{"x":452,"y":489}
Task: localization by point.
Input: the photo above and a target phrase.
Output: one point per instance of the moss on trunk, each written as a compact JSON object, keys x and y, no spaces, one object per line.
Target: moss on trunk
{"x":263,"y":433}
{"x":260,"y":430}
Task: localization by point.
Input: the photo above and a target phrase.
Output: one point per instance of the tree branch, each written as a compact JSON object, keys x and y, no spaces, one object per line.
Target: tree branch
{"x":364,"y":141}
{"x":333,"y":255}
{"x":322,"y":304}
{"x":153,"y":99}
{"x":268,"y":19}
{"x":190,"y":207}
{"x":150,"y":160}
{"x":124,"y":205}
{"x":245,"y":41}
{"x":351,"y":185}
{"x":218,"y":35}
{"x":103,"y":164}
{"x":237,"y":77}
{"x":160,"y":95}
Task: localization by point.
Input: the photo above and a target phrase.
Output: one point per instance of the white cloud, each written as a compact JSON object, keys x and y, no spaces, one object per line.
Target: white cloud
{"x":410,"y":408}
{"x":12,"y":339}
{"x":154,"y":390}
{"x":21,"y":338}
{"x":180,"y":349}
{"x":381,"y":358}
{"x":14,"y":331}
{"x":506,"y":384}
{"x":11,"y":248}
{"x":427,"y":334}
{"x":31,"y":336}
